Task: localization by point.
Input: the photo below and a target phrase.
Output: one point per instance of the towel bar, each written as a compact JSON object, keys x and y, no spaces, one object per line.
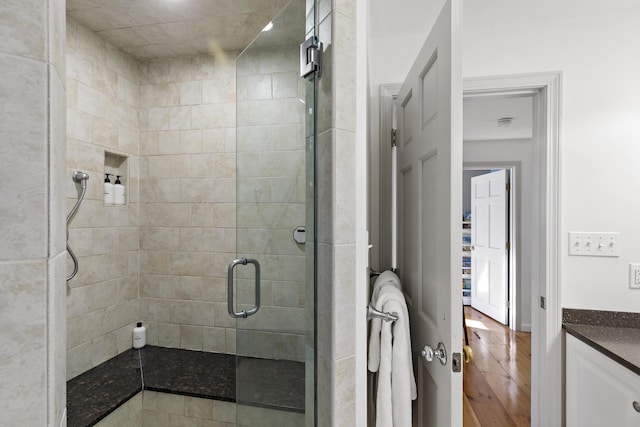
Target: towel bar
{"x":372,"y":313}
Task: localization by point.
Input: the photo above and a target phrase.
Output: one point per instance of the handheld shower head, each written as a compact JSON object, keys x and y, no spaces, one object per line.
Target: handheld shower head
{"x":79,"y":176}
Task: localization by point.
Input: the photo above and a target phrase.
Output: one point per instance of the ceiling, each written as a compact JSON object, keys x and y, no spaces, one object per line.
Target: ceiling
{"x":482,"y":113}
{"x":149,"y":29}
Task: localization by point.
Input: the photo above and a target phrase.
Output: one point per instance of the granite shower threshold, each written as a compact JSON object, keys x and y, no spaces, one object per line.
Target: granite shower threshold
{"x":273,"y":384}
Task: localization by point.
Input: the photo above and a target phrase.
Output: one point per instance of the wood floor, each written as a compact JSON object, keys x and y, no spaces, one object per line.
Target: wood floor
{"x":497,"y":384}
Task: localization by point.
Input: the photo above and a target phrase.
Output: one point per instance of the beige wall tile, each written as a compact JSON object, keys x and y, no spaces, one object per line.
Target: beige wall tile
{"x":104,"y":348}
{"x":79,"y":359}
{"x":170,"y":403}
{"x":191,"y":337}
{"x":105,"y":83}
{"x":180,"y":118}
{"x":169,"y":166}
{"x":18,"y":403}
{"x":198,"y":408}
{"x":214,"y":339}
{"x":285,"y":85}
{"x":22,"y":29}
{"x":191,"y":93}
{"x":24,"y":125}
{"x":224,"y":411}
{"x":155,"y":419}
{"x":251,"y":416}
{"x":168,"y":335}
{"x":158,"y":119}
{"x":149,"y":400}
{"x":221,"y":90}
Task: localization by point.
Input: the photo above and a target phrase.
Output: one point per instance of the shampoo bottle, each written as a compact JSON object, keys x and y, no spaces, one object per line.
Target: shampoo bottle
{"x":139,"y":336}
{"x":118,"y":190}
{"x":108,"y":190}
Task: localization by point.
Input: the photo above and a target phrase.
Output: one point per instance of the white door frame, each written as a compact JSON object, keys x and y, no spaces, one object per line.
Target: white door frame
{"x":546,"y":345}
{"x":513,"y":214}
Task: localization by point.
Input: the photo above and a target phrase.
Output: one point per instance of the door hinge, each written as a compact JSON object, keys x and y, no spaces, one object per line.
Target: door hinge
{"x":508,"y":245}
{"x":543,"y":303}
{"x":310,"y":57}
{"x":508,"y":186}
{"x":394,"y":135}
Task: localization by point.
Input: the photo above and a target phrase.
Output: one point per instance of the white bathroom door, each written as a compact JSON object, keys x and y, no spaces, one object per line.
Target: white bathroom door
{"x":429,"y":204}
{"x":489,"y":273}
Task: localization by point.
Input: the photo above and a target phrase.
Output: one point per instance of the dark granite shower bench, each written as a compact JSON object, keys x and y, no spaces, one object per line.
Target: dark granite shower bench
{"x":275,"y":384}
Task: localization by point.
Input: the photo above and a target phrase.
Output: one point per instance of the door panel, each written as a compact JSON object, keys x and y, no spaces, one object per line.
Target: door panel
{"x":489,"y":258}
{"x":275,"y":225}
{"x":429,"y":194}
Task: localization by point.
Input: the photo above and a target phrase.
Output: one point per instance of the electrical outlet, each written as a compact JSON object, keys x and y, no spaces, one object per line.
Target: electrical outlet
{"x":594,"y":244}
{"x":634,"y":276}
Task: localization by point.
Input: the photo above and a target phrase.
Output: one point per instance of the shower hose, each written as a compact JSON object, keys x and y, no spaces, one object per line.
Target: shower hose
{"x":81,"y":177}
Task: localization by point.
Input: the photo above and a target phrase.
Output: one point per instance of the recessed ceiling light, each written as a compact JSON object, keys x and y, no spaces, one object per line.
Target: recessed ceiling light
{"x":268,"y":26}
{"x":505,"y":122}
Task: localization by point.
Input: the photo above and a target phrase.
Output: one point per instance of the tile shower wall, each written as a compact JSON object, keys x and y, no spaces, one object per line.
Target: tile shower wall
{"x":337,"y":308}
{"x":153,"y":409}
{"x":187,"y":200}
{"x":32,"y":253}
{"x":271,"y":199}
{"x":169,"y":410}
{"x":102,"y":115}
{"x":179,"y":115}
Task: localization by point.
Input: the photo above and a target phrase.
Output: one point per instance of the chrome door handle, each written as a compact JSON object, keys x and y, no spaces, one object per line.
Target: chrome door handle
{"x":230,"y":305}
{"x":439,"y":353}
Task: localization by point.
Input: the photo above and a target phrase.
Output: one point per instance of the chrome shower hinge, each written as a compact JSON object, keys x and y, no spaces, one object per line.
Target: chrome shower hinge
{"x":310,"y":57}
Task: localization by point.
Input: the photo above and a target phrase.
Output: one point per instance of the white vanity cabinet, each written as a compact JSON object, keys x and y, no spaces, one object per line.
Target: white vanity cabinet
{"x":599,"y":391}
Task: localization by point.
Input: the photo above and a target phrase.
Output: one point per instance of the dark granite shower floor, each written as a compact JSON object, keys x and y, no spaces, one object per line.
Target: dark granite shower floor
{"x":275,"y":384}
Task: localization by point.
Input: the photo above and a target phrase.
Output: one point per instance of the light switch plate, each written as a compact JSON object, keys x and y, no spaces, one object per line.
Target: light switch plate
{"x":634,"y":276}
{"x":594,"y":244}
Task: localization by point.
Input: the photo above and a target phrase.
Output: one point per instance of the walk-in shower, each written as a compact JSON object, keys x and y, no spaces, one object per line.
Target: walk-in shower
{"x":216,"y":146}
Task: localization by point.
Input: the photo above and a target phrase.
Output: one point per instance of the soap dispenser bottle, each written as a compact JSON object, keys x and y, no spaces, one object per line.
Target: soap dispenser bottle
{"x":108,"y":190}
{"x":139,"y":336}
{"x":118,"y":190}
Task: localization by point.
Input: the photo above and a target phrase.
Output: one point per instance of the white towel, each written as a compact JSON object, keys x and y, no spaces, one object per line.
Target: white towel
{"x":396,"y":381}
{"x":386,"y":278}
{"x":384,"y":399}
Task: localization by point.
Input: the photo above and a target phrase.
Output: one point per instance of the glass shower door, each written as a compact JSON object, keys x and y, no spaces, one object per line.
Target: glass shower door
{"x":273,"y":287}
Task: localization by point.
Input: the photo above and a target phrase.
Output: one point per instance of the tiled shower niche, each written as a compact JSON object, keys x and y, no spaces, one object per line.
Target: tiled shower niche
{"x":117,"y":165}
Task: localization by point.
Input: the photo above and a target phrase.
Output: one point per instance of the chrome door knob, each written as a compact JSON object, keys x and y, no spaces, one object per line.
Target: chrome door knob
{"x":427,"y":353}
{"x":439,"y":353}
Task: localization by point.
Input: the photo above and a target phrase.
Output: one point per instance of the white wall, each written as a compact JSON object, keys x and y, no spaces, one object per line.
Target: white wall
{"x":593,"y":44}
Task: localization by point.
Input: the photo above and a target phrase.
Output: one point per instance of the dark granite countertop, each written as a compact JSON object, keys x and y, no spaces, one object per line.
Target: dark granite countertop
{"x":614,"y":334}
{"x":276,"y":384}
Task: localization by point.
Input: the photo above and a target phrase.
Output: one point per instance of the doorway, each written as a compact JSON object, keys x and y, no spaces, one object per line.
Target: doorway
{"x":498,"y":143}
{"x":488,"y":242}
{"x":546,"y":360}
